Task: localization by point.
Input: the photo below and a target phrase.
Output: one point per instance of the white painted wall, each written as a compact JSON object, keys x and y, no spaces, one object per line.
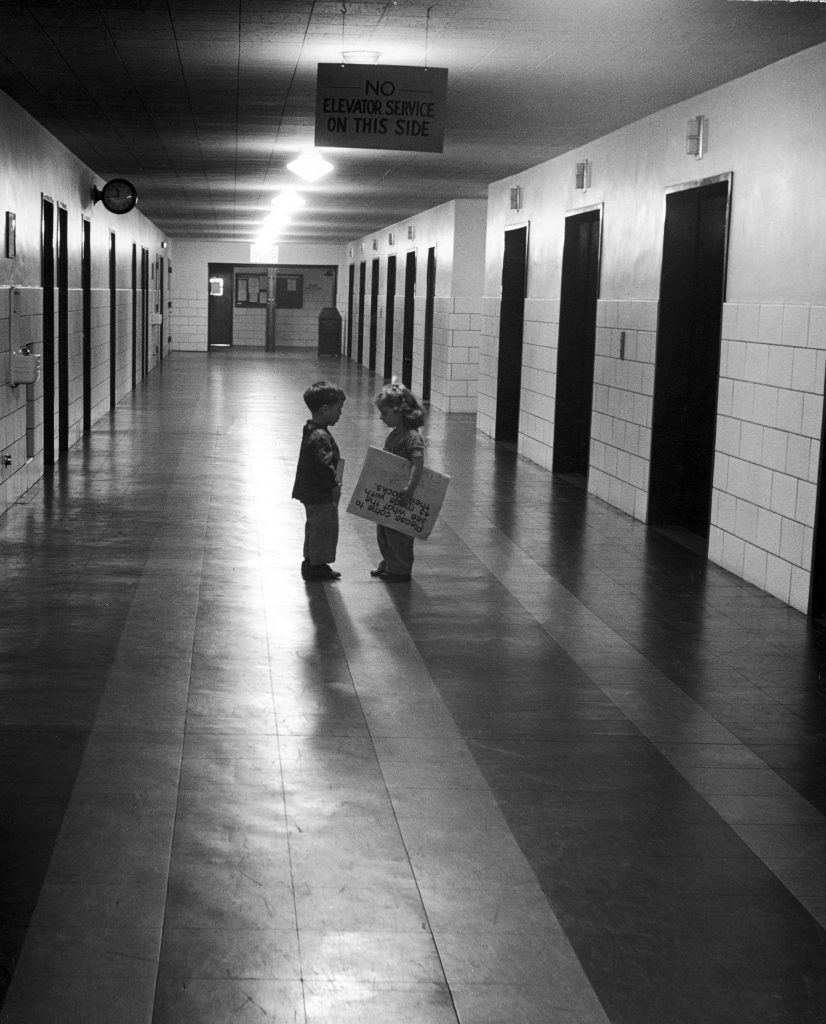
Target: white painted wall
{"x":456,"y":230}
{"x":768,"y":130}
{"x":190,"y":277}
{"x":33,"y":163}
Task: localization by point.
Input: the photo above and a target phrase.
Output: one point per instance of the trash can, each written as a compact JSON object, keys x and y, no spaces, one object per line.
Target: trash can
{"x":329,"y":332}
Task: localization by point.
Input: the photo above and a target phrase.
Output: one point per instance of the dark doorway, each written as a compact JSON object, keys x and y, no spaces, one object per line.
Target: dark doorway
{"x":430,"y":296}
{"x":389,"y":314}
{"x":219,"y":306}
{"x":817,"y":591}
{"x":161,"y":296}
{"x":577,"y":338}
{"x":113,"y":319}
{"x":134,"y":285}
{"x":692,"y":291}
{"x":351,"y":287}
{"x":145,"y":313}
{"x":374,"y":315}
{"x":409,"y":318}
{"x":47,"y":264}
{"x":86,"y":316}
{"x":511,"y":326}
{"x":62,"y":329}
{"x":362,"y":291}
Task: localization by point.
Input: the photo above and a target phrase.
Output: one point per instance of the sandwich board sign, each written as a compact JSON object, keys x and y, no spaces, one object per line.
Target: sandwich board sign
{"x":376,"y":495}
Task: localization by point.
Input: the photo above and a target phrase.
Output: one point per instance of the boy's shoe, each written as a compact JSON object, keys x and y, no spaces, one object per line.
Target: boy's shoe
{"x":395,"y":577}
{"x":380,"y":569}
{"x":320,"y":572}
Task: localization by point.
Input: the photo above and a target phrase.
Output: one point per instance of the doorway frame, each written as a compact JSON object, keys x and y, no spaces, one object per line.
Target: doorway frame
{"x":598,"y":208}
{"x":499,"y":418}
{"x":726,"y":178}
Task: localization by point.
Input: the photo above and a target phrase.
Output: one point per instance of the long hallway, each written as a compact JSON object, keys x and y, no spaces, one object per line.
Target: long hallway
{"x":571,"y":774}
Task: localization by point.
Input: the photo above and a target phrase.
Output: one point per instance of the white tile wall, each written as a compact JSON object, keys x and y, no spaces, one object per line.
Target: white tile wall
{"x":455,"y":355}
{"x":770,"y":412}
{"x":623,"y":404}
{"x":189,"y":322}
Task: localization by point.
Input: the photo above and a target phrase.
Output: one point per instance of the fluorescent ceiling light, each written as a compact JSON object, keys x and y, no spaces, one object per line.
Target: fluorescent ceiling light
{"x":310,"y":166}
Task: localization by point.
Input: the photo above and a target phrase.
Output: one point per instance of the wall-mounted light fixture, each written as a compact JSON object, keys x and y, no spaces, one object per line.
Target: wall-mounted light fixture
{"x":391,"y":239}
{"x":582,"y":177}
{"x":411,"y":234}
{"x":216,"y":286}
{"x":516,"y":198}
{"x":695,"y":139}
{"x":350,"y":251}
{"x":361,"y":248}
{"x":164,"y":244}
{"x":375,"y":245}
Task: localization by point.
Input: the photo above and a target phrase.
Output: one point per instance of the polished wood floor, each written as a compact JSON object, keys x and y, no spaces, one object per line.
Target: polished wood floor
{"x":570,"y":774}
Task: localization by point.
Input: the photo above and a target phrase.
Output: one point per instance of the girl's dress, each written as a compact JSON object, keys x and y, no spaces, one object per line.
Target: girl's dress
{"x":397,"y":548}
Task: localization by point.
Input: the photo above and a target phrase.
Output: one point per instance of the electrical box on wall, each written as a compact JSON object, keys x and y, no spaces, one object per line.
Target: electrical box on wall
{"x":24,"y":368}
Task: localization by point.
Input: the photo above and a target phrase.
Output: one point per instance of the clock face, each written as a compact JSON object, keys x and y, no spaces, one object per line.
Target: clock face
{"x":119,"y":195}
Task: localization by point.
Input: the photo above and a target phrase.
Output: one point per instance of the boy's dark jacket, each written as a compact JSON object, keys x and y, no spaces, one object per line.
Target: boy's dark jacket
{"x":315,"y":477}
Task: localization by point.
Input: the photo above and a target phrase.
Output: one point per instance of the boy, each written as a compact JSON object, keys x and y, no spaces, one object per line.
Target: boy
{"x":317,"y":483}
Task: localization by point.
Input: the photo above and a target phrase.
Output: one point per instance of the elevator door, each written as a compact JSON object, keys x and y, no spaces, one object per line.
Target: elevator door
{"x":389,"y":314}
{"x":817,"y":590}
{"x":62,"y":328}
{"x":134,"y":287}
{"x":374,"y":315}
{"x":360,"y":330}
{"x":577,"y":335}
{"x":692,"y":286}
{"x":351,"y":283}
{"x":86,"y":306}
{"x":511,"y":325}
{"x":48,"y":231}
{"x":113,"y":319}
{"x":409,"y":319}
{"x":430,"y":298}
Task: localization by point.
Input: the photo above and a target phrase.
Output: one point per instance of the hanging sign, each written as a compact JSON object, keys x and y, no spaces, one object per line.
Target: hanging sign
{"x":376,"y":495}
{"x":374,"y":106}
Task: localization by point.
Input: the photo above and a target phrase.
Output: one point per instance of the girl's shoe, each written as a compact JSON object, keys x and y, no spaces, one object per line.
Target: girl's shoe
{"x":320,"y":572}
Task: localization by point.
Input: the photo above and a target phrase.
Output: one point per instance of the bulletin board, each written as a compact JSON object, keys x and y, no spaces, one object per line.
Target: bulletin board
{"x":250,"y":289}
{"x":289,"y":291}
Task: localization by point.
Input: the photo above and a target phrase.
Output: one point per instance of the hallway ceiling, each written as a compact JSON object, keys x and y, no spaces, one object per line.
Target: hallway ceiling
{"x":202,"y":103}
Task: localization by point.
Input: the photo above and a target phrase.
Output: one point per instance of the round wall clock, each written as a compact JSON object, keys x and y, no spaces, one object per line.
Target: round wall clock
{"x":119,"y":195}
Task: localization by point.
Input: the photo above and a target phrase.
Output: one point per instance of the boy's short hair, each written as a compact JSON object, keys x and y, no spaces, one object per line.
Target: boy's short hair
{"x":322,"y":393}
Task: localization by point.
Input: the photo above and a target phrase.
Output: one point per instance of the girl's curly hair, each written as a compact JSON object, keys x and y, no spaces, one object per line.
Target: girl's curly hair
{"x":397,"y":396}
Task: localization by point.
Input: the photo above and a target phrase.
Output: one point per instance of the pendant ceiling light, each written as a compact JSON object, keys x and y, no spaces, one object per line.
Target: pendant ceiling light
{"x":310,"y":166}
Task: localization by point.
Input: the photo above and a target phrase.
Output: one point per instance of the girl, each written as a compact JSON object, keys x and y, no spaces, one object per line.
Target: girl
{"x":399,"y":409}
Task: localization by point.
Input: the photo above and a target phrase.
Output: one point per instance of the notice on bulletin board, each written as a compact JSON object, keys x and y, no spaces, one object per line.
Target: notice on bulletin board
{"x":376,"y":495}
